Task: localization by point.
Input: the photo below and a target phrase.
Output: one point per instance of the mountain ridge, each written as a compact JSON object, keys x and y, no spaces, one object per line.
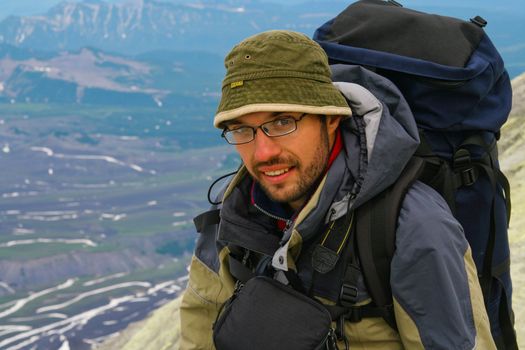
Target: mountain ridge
{"x":143,"y":25}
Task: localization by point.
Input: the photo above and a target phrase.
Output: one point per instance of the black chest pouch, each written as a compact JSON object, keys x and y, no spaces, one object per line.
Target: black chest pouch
{"x":265,"y":314}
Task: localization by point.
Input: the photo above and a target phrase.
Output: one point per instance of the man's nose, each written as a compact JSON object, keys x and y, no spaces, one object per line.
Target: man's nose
{"x":266,"y":148}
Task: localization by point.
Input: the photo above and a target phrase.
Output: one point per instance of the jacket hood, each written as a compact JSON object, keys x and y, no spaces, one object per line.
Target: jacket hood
{"x":379,"y":140}
{"x":390,"y":129}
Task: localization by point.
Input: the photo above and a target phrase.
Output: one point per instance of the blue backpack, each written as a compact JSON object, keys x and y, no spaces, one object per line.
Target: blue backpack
{"x":460,"y":94}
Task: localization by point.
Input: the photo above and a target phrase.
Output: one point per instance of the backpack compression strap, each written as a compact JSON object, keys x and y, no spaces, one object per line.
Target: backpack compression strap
{"x":375,"y":237}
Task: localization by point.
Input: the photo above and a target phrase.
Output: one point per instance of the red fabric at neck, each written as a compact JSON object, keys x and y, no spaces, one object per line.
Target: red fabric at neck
{"x":338,"y":146}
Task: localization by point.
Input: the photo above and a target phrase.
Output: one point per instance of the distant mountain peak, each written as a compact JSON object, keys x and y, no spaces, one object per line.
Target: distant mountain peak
{"x":138,"y":26}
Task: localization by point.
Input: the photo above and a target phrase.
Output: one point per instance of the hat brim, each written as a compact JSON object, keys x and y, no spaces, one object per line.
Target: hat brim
{"x":280,"y":95}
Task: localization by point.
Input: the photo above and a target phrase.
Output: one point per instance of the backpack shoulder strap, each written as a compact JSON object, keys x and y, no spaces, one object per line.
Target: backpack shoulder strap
{"x":376,"y":224}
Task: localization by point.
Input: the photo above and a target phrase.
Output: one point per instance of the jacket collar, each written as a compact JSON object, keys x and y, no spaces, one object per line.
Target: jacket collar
{"x":282,"y":211}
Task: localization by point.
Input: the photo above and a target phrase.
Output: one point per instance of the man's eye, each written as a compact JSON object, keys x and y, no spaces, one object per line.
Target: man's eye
{"x":240,"y":131}
{"x":282,"y":122}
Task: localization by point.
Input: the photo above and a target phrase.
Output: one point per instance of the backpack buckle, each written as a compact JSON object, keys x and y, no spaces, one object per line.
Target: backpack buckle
{"x":462,"y":163}
{"x":348,"y":295}
{"x":468,"y":176}
{"x":395,"y":3}
{"x":479,"y":21}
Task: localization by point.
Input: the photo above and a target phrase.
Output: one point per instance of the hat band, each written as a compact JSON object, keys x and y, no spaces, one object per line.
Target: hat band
{"x":279,"y":107}
{"x":266,"y":74}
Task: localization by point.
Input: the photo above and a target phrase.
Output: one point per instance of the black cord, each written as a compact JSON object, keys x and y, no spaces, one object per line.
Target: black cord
{"x":214,"y":183}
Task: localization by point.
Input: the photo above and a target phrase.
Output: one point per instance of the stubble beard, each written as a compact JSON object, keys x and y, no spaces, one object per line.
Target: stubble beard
{"x":307,"y":177}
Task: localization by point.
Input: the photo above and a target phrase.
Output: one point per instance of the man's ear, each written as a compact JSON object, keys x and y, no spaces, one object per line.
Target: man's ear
{"x":332,"y":123}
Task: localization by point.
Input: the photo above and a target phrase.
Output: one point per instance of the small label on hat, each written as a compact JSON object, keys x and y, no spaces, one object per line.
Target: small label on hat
{"x":236,"y":84}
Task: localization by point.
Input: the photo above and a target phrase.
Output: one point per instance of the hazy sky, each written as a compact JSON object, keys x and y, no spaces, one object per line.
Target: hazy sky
{"x":31,"y":7}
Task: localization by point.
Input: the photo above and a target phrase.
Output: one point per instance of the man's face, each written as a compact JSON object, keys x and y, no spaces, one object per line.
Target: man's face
{"x":287,"y":166}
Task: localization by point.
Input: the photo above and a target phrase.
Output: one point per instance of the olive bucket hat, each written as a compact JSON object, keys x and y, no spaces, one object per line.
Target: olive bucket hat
{"x":278,"y":71}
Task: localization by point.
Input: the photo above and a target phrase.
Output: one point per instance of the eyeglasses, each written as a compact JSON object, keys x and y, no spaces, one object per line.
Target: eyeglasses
{"x":274,"y":128}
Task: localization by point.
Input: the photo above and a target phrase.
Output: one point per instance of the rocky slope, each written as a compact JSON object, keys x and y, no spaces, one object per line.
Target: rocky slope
{"x":160,"y":331}
{"x":164,"y":323}
{"x":512,"y":156}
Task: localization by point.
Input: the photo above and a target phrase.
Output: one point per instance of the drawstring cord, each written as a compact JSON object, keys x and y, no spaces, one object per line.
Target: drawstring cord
{"x":214,"y":183}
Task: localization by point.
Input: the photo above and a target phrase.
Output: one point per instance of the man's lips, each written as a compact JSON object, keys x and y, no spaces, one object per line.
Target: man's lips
{"x":274,"y":170}
{"x":275,"y":174}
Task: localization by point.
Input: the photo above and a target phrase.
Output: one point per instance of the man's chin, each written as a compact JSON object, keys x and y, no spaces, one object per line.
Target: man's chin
{"x":280,"y":194}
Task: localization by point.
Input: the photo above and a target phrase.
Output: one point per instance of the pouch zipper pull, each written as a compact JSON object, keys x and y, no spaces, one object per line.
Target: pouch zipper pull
{"x":238,"y":286}
{"x":331,"y":340}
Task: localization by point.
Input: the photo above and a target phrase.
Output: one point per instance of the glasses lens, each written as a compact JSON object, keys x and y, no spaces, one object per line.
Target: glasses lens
{"x":278,"y":127}
{"x":239,"y":135}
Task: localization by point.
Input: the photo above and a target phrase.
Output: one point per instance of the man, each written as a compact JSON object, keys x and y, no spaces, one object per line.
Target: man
{"x":312,"y":152}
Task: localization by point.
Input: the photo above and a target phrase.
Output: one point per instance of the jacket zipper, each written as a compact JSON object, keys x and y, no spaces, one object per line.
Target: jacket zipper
{"x":288,"y":222}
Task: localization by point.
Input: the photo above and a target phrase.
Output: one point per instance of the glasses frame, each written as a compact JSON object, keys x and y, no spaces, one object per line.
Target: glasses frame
{"x":265,"y":131}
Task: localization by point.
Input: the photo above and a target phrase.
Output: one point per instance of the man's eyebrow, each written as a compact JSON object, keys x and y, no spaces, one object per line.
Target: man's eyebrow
{"x":232,"y":122}
{"x":236,"y":122}
{"x":277,"y":114}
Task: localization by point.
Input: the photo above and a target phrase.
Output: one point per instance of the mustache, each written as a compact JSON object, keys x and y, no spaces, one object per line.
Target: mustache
{"x":278,"y":160}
